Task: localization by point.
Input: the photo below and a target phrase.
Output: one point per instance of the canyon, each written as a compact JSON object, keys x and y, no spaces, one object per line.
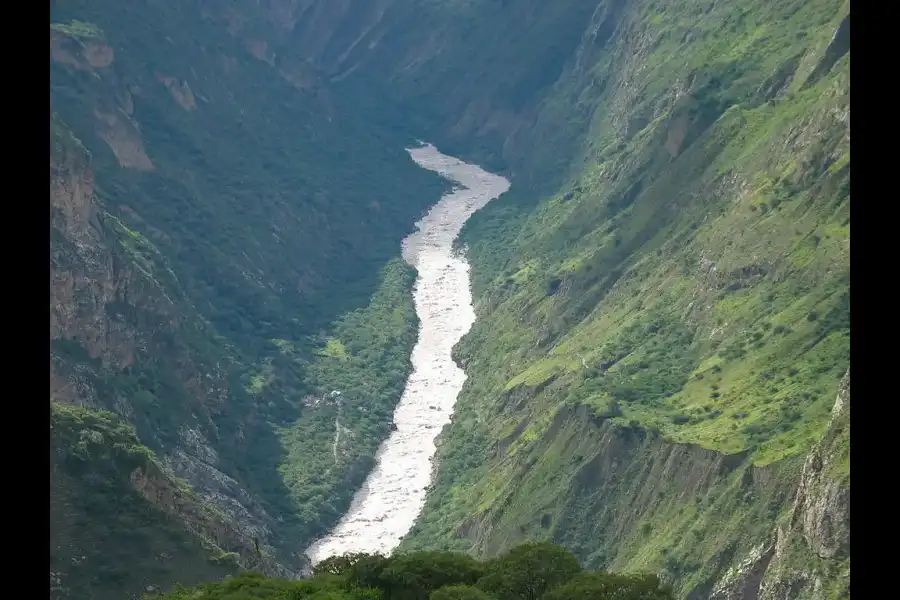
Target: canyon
{"x":659,"y":321}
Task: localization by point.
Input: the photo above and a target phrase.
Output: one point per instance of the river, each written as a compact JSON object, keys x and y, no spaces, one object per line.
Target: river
{"x":389,"y":502}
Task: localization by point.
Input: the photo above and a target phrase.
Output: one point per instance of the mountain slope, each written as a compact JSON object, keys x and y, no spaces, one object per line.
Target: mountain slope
{"x":120,"y":525}
{"x":120,"y":521}
{"x":663,"y":296}
{"x":225,"y":250}
{"x":689,"y":284}
{"x":808,"y":555}
{"x":476,"y":75}
{"x":682,"y":299}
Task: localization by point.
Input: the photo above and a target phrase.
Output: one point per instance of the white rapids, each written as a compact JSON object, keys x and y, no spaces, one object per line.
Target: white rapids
{"x":390,"y":500}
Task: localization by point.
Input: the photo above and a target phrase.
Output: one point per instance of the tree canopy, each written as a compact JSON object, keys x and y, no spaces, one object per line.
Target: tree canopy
{"x":530,"y":571}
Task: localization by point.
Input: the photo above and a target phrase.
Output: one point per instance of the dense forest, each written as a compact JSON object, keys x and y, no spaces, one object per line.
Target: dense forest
{"x":527,"y":572}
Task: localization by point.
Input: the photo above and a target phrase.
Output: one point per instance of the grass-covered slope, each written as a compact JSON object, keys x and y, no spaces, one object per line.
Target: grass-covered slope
{"x":226,"y":254}
{"x":700,"y":264}
{"x":691,"y":281}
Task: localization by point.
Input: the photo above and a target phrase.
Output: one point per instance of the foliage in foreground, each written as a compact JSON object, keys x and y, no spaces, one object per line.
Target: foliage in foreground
{"x":527,"y":572}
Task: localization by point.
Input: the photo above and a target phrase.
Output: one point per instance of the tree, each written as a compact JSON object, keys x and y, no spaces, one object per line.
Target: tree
{"x":354,"y":594}
{"x":529,"y":571}
{"x":459,"y":592}
{"x":414,"y":576}
{"x":610,"y":586}
{"x":343,"y":564}
{"x":367,"y":571}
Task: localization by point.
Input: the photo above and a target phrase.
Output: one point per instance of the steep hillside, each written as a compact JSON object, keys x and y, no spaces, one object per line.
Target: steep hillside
{"x":120,"y":337}
{"x":477,"y":76}
{"x":664,"y":335}
{"x":225,"y":254}
{"x":677,"y":308}
{"x":119,"y":525}
{"x":808,"y":555}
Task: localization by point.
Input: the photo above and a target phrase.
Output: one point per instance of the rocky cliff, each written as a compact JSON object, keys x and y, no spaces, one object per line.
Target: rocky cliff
{"x":808,"y":554}
{"x":109,"y":311}
{"x":121,"y":524}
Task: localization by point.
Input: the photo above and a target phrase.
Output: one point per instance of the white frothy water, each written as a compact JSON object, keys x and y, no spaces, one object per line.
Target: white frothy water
{"x":390,"y":500}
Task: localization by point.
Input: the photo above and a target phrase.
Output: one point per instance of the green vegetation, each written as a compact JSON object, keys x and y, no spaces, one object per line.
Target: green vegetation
{"x":676,"y":285}
{"x":353,"y":385}
{"x":105,"y":538}
{"x":528,"y":572}
{"x":663,"y":297}
{"x":269,"y":223}
{"x":78,"y":30}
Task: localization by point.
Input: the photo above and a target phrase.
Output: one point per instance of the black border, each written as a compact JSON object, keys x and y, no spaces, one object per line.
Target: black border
{"x":46,"y":338}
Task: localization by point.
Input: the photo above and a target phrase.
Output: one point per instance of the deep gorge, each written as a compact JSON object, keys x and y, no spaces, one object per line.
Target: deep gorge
{"x":662,"y":297}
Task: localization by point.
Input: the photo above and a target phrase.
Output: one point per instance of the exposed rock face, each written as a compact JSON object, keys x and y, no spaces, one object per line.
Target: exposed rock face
{"x":742,"y":581}
{"x":106,"y":301}
{"x":224,"y":529}
{"x":85,"y":276}
{"x":84,"y":55}
{"x":180,"y":90}
{"x":162,"y":492}
{"x":115,"y":124}
{"x":123,"y":136}
{"x":812,"y":546}
{"x":196,"y":462}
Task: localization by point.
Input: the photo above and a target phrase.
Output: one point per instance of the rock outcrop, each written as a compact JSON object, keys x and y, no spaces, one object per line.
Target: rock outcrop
{"x":111,"y":307}
{"x":808,"y":556}
{"x":87,"y":274}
